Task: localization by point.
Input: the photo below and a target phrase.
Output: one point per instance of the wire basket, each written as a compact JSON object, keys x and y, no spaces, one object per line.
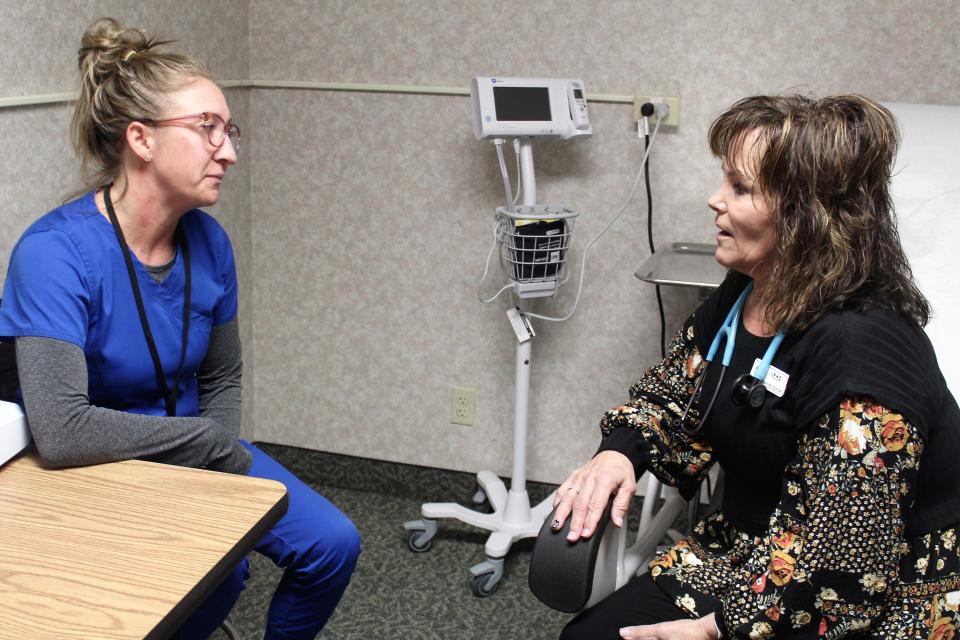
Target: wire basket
{"x":534,"y":240}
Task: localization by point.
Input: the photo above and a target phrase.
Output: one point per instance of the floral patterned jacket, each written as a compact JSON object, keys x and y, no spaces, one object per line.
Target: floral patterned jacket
{"x":835,"y":560}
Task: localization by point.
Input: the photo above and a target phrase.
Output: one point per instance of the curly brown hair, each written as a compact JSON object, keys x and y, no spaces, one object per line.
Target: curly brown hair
{"x":824,"y":167}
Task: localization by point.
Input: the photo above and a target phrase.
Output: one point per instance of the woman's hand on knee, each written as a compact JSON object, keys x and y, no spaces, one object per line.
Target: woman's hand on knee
{"x":701,"y":629}
{"x":583,"y":496}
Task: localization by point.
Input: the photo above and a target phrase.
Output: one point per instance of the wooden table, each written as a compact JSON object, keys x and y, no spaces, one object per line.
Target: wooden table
{"x":121,"y":550}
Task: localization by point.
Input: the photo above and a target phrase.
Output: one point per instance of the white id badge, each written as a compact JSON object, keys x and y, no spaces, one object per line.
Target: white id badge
{"x":775,"y":381}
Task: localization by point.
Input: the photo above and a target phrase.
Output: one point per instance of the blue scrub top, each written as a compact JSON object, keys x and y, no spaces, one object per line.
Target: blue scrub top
{"x":67,"y":280}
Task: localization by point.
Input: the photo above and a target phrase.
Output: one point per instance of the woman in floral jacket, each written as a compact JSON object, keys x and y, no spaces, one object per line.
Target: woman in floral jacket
{"x":841,"y":497}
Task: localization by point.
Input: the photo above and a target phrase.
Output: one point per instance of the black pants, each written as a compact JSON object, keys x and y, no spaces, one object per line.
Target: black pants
{"x":640,"y":601}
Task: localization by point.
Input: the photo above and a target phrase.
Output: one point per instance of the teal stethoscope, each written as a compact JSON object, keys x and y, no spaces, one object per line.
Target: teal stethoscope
{"x":748,"y":389}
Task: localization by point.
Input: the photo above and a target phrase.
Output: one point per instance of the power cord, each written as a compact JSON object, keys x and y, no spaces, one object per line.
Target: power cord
{"x":511,"y":202}
{"x":586,"y":248}
{"x":498,"y":143}
{"x":647,"y":110}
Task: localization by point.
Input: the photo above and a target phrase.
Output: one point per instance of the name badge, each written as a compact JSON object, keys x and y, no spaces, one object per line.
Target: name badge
{"x":775,"y":380}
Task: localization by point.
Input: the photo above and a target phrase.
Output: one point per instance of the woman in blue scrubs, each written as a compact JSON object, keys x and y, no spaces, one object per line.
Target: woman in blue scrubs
{"x":123,"y":306}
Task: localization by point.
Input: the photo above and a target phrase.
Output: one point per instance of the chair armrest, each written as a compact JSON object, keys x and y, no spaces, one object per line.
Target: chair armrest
{"x":573,"y":576}
{"x":562,"y":573}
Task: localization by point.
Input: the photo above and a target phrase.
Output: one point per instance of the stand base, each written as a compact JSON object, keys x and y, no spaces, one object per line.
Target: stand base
{"x":512,"y":519}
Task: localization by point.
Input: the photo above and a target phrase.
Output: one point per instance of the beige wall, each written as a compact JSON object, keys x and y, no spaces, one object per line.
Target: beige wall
{"x":372,"y":211}
{"x":361,"y":220}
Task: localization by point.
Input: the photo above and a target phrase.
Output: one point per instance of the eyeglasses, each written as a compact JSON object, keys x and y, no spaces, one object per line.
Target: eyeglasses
{"x":216,"y":128}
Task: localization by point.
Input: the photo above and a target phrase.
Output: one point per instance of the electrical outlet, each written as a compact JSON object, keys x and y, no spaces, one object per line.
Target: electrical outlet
{"x":462,"y":406}
{"x":672,"y":120}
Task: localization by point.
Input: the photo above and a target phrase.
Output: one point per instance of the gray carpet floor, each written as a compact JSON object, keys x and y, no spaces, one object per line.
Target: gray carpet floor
{"x":396,"y":593}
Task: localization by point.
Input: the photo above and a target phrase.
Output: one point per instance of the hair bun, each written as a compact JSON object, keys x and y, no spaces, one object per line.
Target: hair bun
{"x":107,"y":42}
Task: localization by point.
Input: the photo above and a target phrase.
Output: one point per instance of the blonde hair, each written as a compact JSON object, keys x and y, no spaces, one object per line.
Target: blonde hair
{"x":824,"y":166}
{"x":123,"y":78}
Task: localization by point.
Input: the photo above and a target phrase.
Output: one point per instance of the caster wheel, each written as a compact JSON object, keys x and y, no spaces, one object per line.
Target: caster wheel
{"x":416,"y":542}
{"x":479,"y":500}
{"x":484,"y":585}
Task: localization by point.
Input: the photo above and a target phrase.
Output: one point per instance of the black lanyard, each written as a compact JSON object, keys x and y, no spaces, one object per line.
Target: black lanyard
{"x":169,"y":395}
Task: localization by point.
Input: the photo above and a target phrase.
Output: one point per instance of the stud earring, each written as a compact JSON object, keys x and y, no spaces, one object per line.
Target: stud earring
{"x":148,"y":157}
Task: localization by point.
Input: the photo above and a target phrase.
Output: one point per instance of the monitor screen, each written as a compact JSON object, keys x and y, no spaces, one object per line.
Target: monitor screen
{"x":522,"y":104}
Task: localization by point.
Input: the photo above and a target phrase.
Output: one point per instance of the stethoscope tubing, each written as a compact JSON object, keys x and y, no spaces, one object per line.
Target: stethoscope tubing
{"x":728,"y":333}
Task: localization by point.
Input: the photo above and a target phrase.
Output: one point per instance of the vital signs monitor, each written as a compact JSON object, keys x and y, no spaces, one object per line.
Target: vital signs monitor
{"x":529,"y":107}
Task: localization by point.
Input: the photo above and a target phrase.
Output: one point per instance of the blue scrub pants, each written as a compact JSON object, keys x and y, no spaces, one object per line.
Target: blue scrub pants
{"x":314,"y":542}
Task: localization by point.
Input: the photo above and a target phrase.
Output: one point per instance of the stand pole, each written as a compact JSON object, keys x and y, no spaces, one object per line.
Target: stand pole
{"x":527,"y":176}
{"x":512,"y":518}
{"x":518,"y":503}
{"x":521,"y":400}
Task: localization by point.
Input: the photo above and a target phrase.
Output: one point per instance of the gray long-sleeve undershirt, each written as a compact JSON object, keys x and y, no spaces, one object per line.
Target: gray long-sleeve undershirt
{"x":69,"y":431}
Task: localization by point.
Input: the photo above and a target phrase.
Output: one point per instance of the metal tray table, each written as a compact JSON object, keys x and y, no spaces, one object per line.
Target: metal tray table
{"x":684,"y":264}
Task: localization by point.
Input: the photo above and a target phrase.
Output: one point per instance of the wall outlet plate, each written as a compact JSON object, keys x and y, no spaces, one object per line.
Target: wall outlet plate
{"x":463,"y":406}
{"x":672,"y":120}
